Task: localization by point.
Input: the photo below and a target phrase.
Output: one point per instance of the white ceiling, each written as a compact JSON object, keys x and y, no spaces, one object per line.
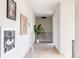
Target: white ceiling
{"x":43,"y":7}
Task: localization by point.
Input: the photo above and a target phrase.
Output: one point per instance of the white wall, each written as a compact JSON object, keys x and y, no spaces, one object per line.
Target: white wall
{"x":77,"y":28}
{"x":22,"y":43}
{"x":56,"y":28}
{"x":67,"y":26}
{"x":0,"y":31}
{"x":64,"y":27}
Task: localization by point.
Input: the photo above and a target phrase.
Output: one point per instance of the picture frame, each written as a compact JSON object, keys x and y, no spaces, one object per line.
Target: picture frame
{"x":9,"y":40}
{"x":23,"y":24}
{"x":11,"y":9}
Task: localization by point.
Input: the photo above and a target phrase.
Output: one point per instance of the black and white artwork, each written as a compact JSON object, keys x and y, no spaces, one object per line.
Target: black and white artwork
{"x":9,"y":40}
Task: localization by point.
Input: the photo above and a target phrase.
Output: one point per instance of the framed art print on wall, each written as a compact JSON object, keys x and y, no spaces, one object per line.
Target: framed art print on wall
{"x":23,"y":24}
{"x":11,"y":9}
{"x":9,"y":40}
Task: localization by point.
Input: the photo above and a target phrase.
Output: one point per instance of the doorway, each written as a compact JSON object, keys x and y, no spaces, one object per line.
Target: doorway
{"x":46,"y":24}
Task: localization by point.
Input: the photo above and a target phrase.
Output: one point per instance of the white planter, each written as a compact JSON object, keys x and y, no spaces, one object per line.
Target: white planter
{"x":37,"y":41}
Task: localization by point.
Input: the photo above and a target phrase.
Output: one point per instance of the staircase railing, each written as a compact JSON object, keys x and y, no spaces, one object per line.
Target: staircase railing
{"x":45,"y":37}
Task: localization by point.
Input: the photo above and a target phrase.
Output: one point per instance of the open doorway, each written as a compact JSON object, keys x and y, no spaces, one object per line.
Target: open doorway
{"x":46,"y":25}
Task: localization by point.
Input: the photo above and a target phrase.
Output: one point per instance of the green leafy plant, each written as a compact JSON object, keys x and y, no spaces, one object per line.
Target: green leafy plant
{"x":38,"y":29}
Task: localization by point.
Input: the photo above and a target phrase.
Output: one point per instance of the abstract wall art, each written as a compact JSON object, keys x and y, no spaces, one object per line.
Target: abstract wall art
{"x":11,"y":9}
{"x":9,"y":40}
{"x":23,"y":24}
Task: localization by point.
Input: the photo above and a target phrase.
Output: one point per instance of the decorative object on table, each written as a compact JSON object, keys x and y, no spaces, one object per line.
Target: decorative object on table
{"x":23,"y":24}
{"x":38,"y":30}
{"x":9,"y":40}
{"x":11,"y":9}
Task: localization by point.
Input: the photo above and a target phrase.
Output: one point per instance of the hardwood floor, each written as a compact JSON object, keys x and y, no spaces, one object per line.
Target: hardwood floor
{"x":43,"y":51}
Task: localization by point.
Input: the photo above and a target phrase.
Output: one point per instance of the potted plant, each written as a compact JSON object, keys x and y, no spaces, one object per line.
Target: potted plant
{"x":38,"y":30}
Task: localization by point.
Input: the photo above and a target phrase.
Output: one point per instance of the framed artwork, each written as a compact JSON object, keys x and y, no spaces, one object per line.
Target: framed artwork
{"x":11,"y":9}
{"x":9,"y":40}
{"x":23,"y":24}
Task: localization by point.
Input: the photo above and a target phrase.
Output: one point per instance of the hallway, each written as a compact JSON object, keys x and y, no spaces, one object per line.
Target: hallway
{"x":39,"y":28}
{"x":42,"y":50}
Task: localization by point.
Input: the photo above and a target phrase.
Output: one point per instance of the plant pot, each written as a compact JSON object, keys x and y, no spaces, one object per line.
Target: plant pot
{"x":37,"y":41}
